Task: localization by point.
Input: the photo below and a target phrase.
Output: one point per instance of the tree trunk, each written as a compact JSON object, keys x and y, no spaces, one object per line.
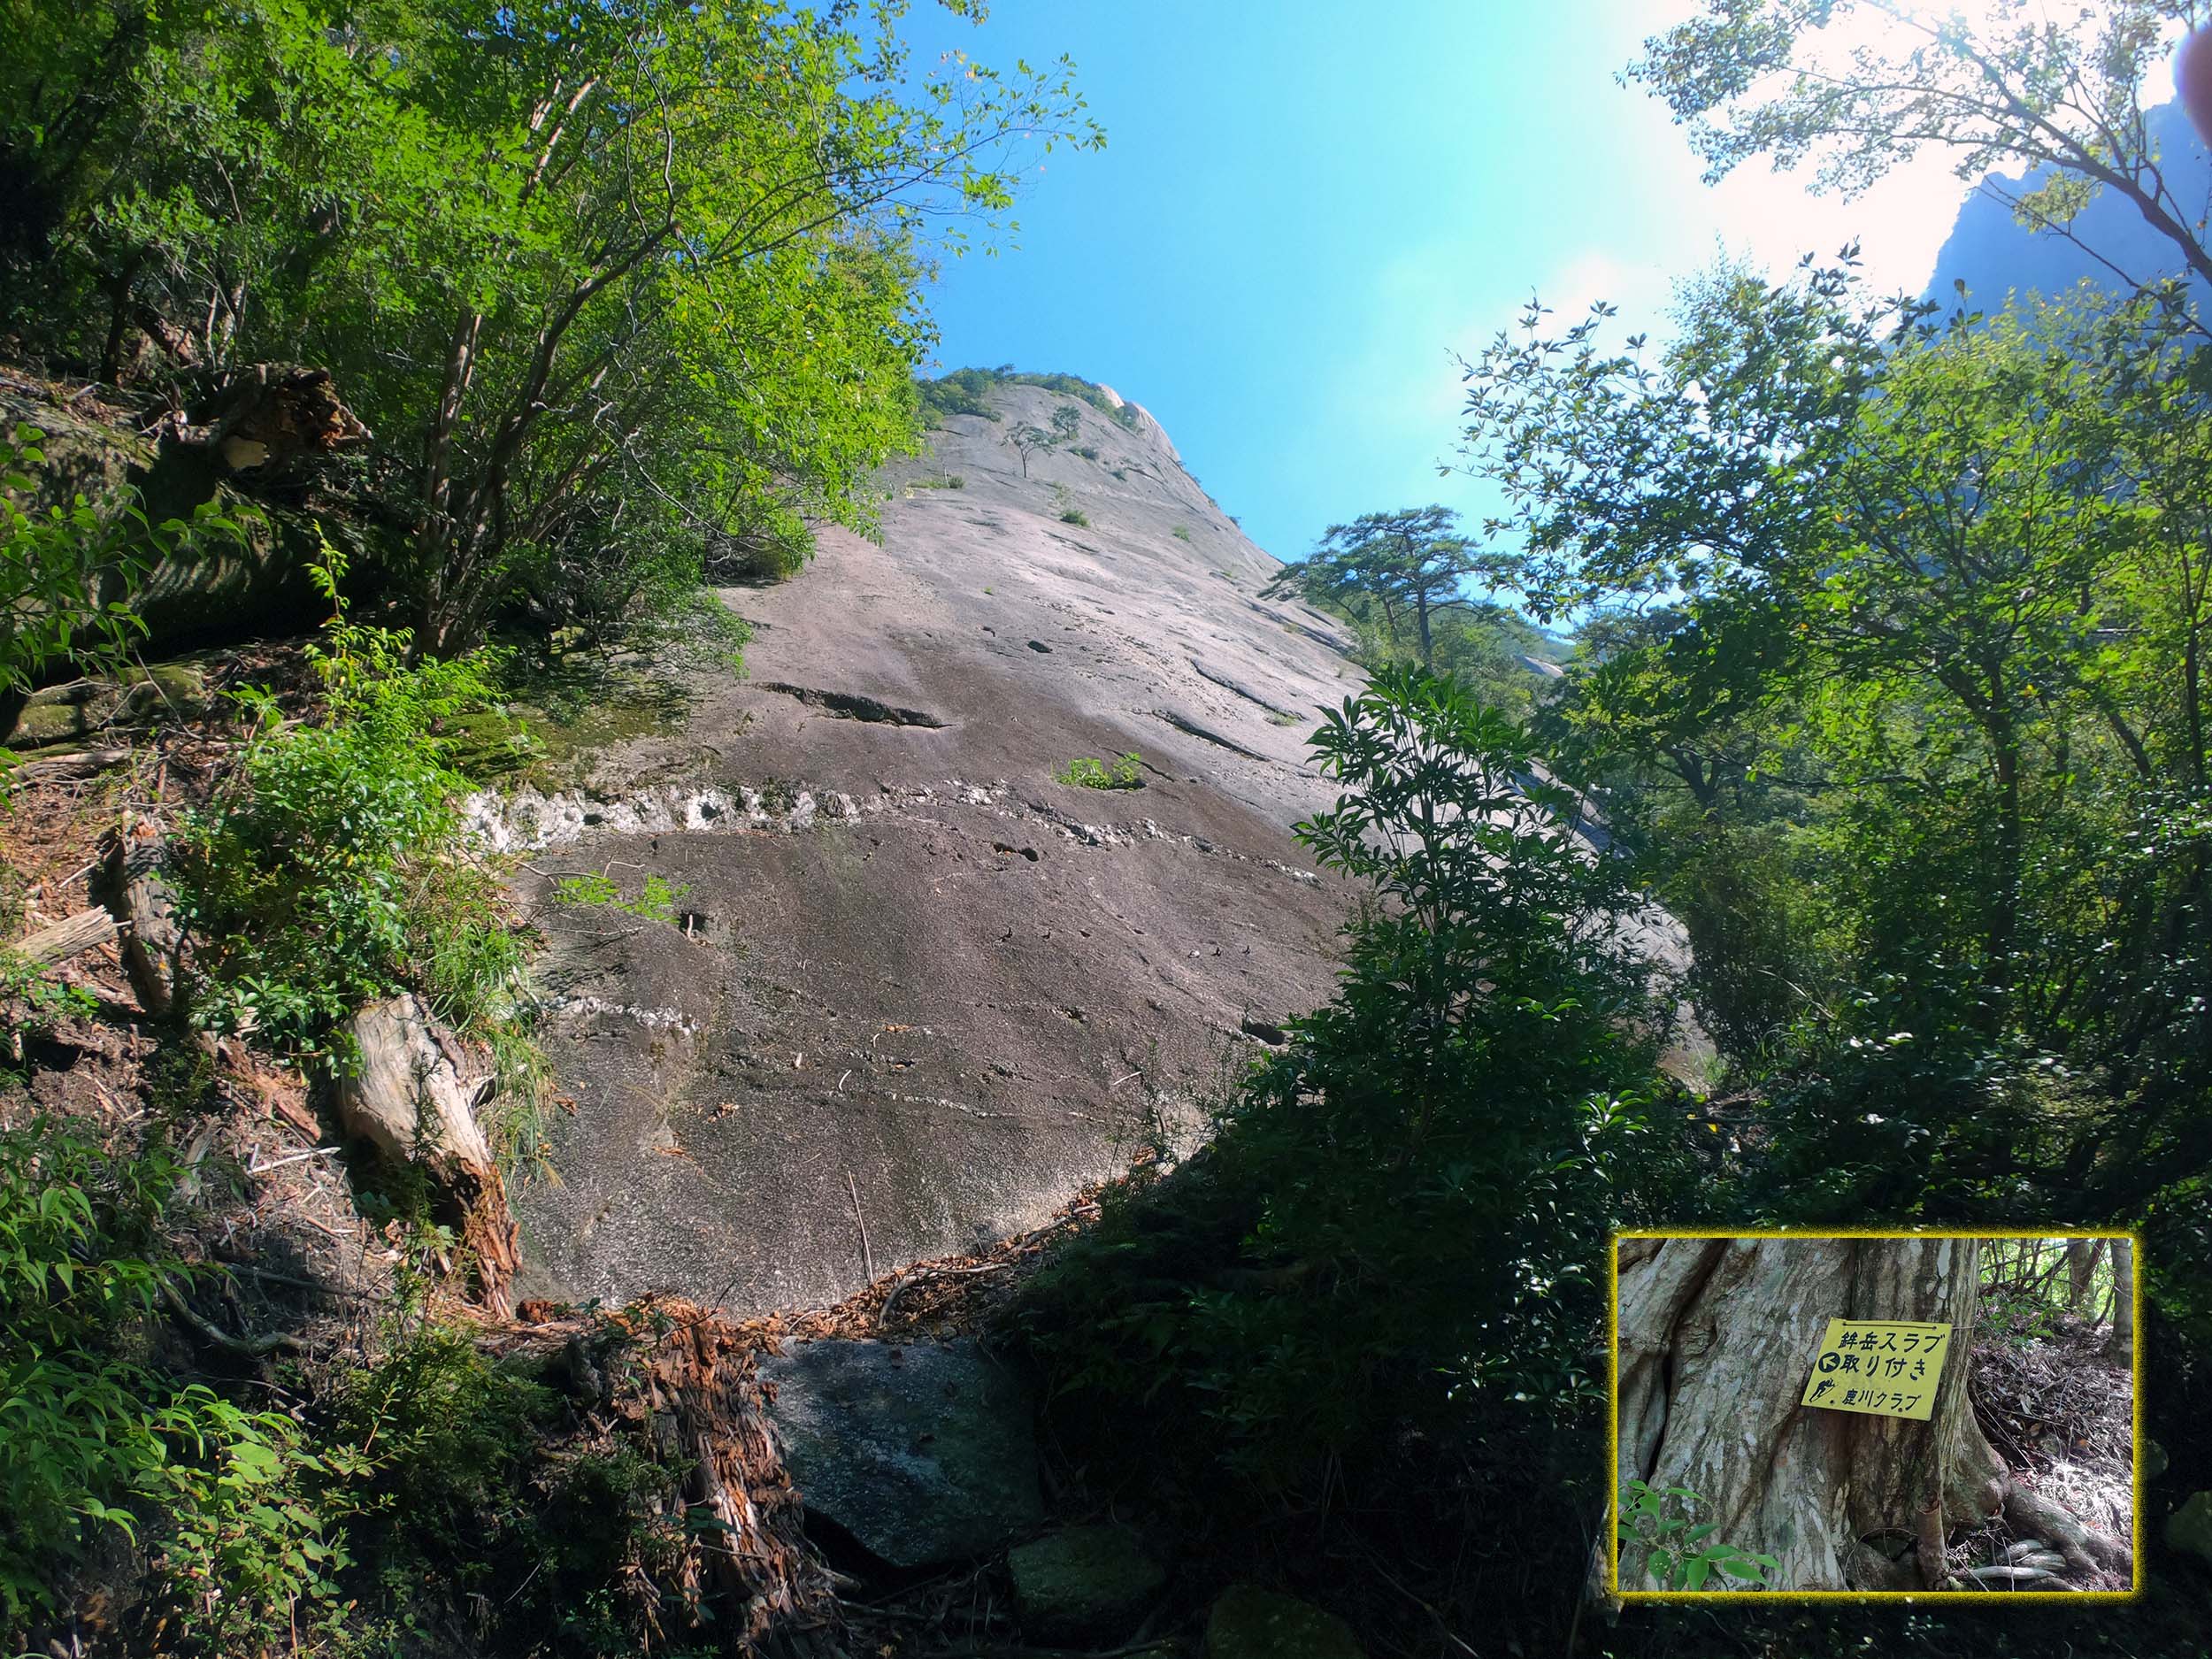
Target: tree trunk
{"x":1716,"y":1340}
{"x":2081,"y":1271}
{"x":2122,"y":1342}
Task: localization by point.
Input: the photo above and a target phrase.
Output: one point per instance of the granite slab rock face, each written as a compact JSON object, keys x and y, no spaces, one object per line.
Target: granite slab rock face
{"x":921,"y":993}
{"x":922,"y":1455}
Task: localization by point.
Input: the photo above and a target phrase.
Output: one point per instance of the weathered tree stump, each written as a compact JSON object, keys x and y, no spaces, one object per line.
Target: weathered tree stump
{"x":413,"y":1097}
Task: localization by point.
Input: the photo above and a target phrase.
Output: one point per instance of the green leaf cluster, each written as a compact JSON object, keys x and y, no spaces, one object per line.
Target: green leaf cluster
{"x":1088,"y":771}
{"x":1682,"y":1556}
{"x":96,"y":1438}
{"x":611,"y":286}
{"x":332,"y":873}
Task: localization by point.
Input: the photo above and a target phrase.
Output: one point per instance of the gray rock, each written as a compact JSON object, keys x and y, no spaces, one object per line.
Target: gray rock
{"x":2189,"y":1528}
{"x":923,"y":1455}
{"x":1087,"y":1584}
{"x":1250,"y":1623}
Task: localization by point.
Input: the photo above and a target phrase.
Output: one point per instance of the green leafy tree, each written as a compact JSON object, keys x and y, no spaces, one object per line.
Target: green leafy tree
{"x":1856,"y":87}
{"x":1406,"y":564}
{"x":1411,"y":1192}
{"x":626,"y":279}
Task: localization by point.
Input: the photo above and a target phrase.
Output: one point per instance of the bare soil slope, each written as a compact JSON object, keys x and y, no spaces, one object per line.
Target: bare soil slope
{"x":922,"y":991}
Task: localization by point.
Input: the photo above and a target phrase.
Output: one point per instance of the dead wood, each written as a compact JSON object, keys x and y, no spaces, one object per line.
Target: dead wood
{"x":71,"y":936}
{"x":413,"y":1097}
{"x":707,"y":1405}
{"x":138,"y":895}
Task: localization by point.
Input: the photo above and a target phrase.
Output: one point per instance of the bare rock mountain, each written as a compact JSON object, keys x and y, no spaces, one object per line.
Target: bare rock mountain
{"x":920,"y":991}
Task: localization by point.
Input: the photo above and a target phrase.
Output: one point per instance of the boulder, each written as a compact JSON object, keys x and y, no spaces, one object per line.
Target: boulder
{"x":1250,"y":1623}
{"x":1089,"y":1584}
{"x":2189,"y":1528}
{"x":921,"y":1454}
{"x":77,"y":710}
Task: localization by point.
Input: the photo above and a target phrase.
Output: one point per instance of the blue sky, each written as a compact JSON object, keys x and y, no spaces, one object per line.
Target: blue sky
{"x":1304,"y":209}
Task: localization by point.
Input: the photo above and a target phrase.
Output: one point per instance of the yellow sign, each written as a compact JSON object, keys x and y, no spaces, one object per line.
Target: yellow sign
{"x":1888,"y":1368}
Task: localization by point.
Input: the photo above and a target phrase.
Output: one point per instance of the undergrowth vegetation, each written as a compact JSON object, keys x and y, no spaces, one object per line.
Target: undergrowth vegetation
{"x":331,"y":872}
{"x":1394,"y":1229}
{"x":1088,"y":771}
{"x":435,"y":1493}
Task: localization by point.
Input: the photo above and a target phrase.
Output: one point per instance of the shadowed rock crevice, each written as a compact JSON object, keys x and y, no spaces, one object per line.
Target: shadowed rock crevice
{"x":1191,"y":728}
{"x":845,"y":705}
{"x":1228,"y":683}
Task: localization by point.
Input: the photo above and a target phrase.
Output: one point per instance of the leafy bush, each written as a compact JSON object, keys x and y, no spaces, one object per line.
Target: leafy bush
{"x":759,"y":548}
{"x":1677,"y":1552}
{"x":1182,"y":533}
{"x":1078,"y":516}
{"x":1396,"y":1227}
{"x":96,"y":1438}
{"x":329,"y":878}
{"x":1088,"y":771}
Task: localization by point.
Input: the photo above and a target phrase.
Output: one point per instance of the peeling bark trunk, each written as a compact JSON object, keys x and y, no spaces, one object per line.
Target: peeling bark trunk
{"x":1716,"y":1336}
{"x":2081,"y":1271}
{"x":71,"y":936}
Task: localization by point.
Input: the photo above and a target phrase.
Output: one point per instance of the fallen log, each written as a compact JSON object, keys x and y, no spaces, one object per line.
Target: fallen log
{"x":71,"y":936}
{"x":85,"y":762}
{"x":138,"y":895}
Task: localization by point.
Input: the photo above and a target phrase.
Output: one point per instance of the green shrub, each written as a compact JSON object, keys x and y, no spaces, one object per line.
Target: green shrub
{"x":1078,"y":516}
{"x":66,"y":575}
{"x":481,"y":1494}
{"x":1088,"y":771}
{"x":1182,"y":533}
{"x":1682,"y":1556}
{"x":1394,"y":1229}
{"x":95,"y":1438}
{"x":329,"y":876}
{"x":764,"y":546}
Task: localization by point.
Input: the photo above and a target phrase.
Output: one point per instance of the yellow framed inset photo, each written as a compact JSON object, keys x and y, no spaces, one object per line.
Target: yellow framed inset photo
{"x":1866,"y":1413}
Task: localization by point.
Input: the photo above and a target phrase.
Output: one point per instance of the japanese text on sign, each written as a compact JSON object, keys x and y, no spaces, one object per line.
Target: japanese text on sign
{"x":1888,"y":1368}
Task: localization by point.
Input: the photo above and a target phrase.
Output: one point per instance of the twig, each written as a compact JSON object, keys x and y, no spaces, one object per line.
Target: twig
{"x":297,"y":1158}
{"x":299,"y":1282}
{"x":867,"y":1252}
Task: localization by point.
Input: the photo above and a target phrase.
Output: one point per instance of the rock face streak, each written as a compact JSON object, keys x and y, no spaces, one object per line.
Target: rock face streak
{"x":919,"y":992}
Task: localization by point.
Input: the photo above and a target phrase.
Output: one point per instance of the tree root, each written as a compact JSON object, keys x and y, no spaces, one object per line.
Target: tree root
{"x":245,"y":1347}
